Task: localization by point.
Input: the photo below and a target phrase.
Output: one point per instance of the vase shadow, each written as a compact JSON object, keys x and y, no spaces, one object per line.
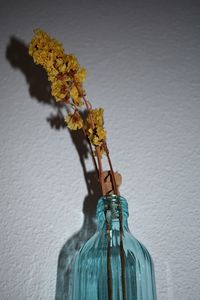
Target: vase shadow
{"x":74,"y":243}
{"x":39,"y":89}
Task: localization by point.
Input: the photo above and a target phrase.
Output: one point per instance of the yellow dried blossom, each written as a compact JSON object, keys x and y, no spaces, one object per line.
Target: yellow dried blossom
{"x":72,"y":63}
{"x":97,"y":115}
{"x":63,"y":70}
{"x":96,"y":135}
{"x":74,"y":93}
{"x":52,"y":72}
{"x":59,"y":90}
{"x":80,"y":75}
{"x":67,"y":77}
{"x":44,"y":49}
{"x":74,"y":121}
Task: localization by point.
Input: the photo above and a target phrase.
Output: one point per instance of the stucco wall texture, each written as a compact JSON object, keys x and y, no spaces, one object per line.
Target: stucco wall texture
{"x":143,"y":67}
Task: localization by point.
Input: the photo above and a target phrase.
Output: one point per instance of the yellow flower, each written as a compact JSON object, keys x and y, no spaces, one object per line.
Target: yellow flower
{"x":59,"y":90}
{"x":52,"y":73}
{"x":67,"y":77}
{"x":80,"y":75}
{"x":97,"y":115}
{"x":44,"y":49}
{"x":96,"y":135}
{"x":74,"y":93}
{"x":72,"y":63}
{"x":63,"y":70}
{"x":74,"y":121}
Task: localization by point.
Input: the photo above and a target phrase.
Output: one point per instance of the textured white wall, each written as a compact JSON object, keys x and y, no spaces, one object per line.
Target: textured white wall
{"x":143,"y":67}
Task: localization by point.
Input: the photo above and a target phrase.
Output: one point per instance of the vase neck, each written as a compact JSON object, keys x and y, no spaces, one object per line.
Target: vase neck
{"x":110,"y":209}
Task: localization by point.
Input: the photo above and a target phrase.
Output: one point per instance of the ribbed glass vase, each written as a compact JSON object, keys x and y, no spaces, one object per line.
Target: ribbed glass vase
{"x":113,"y":265}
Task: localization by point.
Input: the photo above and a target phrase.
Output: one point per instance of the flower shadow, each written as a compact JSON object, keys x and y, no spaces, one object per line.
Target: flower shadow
{"x":39,"y":89}
{"x":36,"y":78}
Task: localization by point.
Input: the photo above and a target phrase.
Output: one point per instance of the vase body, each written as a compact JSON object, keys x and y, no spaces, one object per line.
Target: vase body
{"x":91,"y":276}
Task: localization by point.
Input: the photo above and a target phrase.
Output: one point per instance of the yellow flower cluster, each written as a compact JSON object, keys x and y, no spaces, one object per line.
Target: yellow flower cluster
{"x":74,"y":121}
{"x":63,"y":69}
{"x":67,"y":79}
{"x":96,"y":135}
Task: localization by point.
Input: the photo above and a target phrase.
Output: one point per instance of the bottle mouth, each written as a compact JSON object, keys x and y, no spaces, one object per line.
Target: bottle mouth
{"x":112,"y":207}
{"x":110,"y":200}
{"x":114,"y":204}
{"x":111,"y":196}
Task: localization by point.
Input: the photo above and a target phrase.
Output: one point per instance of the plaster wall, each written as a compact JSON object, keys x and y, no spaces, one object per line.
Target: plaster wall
{"x":143,"y":67}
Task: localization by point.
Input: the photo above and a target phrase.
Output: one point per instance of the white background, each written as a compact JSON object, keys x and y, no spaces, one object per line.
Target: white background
{"x":143,"y":67}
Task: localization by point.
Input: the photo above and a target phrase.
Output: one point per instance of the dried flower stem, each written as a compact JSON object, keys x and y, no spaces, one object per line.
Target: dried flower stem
{"x":89,"y":107}
{"x":91,"y":152}
{"x":114,"y":184}
{"x":101,"y":177}
{"x":67,"y":77}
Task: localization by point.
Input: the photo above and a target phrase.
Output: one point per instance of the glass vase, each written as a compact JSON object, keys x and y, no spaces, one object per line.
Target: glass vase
{"x":113,"y":265}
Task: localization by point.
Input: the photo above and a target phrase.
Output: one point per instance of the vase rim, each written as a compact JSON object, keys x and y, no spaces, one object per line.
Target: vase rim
{"x":118,"y":198}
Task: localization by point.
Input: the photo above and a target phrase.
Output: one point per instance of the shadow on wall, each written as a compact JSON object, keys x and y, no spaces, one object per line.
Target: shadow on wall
{"x":39,"y":88}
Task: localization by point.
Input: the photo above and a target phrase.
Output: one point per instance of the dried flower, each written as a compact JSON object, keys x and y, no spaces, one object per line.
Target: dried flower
{"x":96,"y":135}
{"x":74,"y":121}
{"x":63,"y":70}
{"x":67,"y":77}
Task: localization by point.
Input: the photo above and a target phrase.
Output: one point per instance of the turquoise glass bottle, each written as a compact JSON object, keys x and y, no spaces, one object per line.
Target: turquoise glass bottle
{"x":113,"y":265}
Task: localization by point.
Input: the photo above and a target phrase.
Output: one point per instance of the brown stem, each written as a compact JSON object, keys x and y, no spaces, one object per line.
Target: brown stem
{"x":89,"y":108}
{"x":109,"y":271}
{"x":100,"y":171}
{"x":101,"y":177}
{"x":122,"y":257}
{"x":91,"y":151}
{"x":111,"y":170}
